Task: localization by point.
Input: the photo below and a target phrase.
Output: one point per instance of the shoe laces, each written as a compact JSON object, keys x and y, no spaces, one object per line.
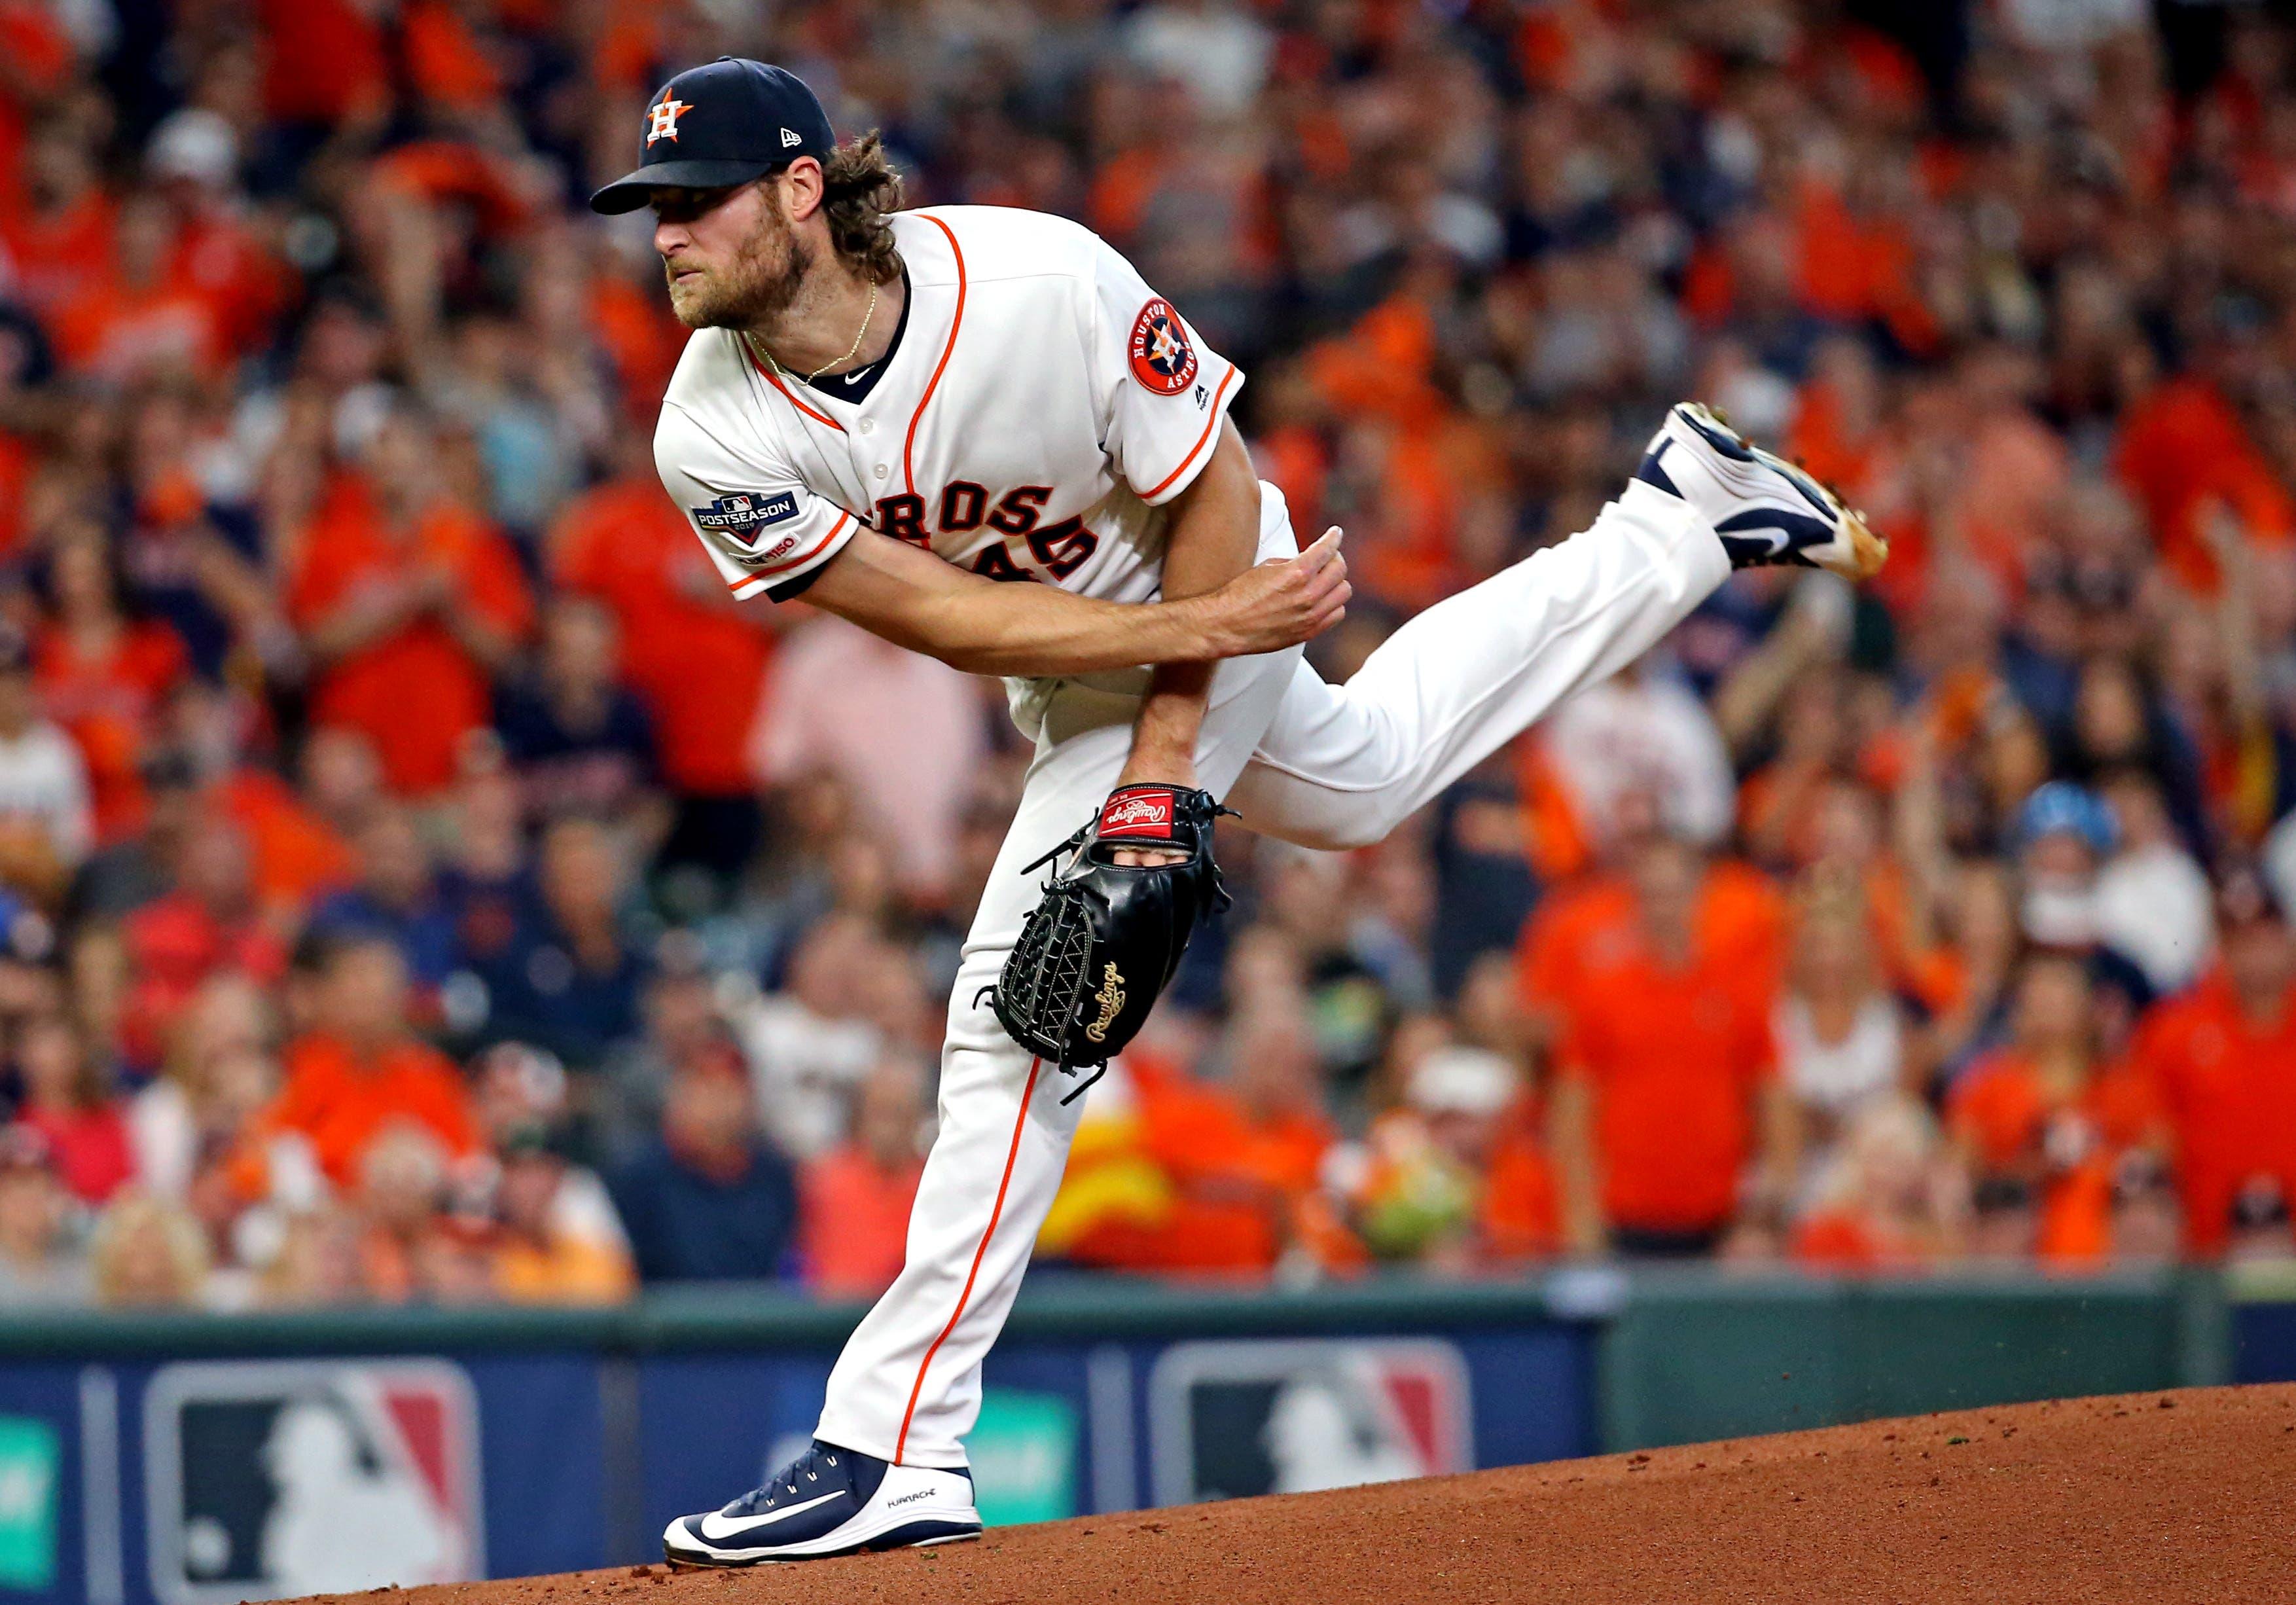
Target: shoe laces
{"x":801,"y":1475}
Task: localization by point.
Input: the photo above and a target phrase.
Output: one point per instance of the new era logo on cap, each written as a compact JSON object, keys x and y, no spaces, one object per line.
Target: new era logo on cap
{"x":790,"y":137}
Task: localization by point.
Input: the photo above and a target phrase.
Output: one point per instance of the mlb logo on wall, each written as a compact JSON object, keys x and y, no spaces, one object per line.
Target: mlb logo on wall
{"x":266,"y":1480}
{"x":1227,"y":1419}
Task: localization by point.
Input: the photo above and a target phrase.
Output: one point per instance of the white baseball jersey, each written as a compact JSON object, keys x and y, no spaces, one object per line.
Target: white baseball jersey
{"x":1041,"y":405}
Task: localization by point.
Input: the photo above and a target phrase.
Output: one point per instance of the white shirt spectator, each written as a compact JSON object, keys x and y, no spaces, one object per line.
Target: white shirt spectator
{"x":2153,"y":907}
{"x":44,"y":780}
{"x":1837,"y":1077}
{"x":1642,"y":733}
{"x":1219,"y":50}
{"x":806,"y":1070}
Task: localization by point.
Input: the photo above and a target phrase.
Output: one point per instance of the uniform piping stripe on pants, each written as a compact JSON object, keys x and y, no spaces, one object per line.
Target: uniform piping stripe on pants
{"x":1020,"y":1124}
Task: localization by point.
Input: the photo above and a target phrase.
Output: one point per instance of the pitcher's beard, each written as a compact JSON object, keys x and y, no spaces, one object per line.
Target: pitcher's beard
{"x":757,"y":284}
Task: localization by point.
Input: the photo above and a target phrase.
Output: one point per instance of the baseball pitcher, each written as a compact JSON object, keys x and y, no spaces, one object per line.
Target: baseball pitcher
{"x":978,"y":433}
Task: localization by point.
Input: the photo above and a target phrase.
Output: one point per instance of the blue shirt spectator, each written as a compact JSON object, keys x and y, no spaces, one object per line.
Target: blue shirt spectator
{"x":707,"y":1199}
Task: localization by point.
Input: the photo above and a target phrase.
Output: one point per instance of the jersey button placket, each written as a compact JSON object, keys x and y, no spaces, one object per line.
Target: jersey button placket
{"x":880,"y":471}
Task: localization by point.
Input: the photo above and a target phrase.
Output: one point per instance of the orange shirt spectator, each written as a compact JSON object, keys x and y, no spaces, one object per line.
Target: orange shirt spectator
{"x":854,"y":1225}
{"x":1241,"y":1170}
{"x":1521,"y":1216}
{"x":119,"y":329}
{"x":696,"y":656}
{"x":51,"y":244}
{"x":559,"y":1241}
{"x":2012,"y":1121}
{"x":1179,"y":1174}
{"x":298,"y":854}
{"x":2183,"y":452}
{"x":210,"y":922}
{"x":325,"y":60}
{"x":2226,"y":1079}
{"x":853,"y":1201}
{"x":341,"y":1098}
{"x":562,"y":1270}
{"x":1739,"y":920}
{"x":1675,"y":1058}
{"x":1665,"y":1057}
{"x":408,"y":606}
{"x":358,"y":1072}
{"x":101,"y":676}
{"x":225,"y":263}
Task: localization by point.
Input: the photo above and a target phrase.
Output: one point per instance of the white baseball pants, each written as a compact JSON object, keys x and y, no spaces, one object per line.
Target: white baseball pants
{"x":1322,"y":765}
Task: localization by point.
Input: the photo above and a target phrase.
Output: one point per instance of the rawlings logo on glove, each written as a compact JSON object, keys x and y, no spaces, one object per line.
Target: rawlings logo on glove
{"x":1138,"y":811}
{"x":1097,"y":951}
{"x":1111,"y":999}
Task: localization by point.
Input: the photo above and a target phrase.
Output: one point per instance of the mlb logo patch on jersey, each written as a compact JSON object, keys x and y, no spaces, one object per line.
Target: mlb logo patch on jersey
{"x":741,"y":515}
{"x":1162,"y":358}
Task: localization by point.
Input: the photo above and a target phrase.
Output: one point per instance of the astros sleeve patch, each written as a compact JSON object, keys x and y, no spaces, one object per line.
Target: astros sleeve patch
{"x":1163,"y":358}
{"x":1162,"y":390}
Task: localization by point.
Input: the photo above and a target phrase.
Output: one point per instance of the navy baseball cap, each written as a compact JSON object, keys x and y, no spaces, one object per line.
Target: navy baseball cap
{"x":720,"y":125}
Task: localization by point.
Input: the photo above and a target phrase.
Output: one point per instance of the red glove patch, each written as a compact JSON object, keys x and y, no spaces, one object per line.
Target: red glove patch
{"x":1137,"y":814}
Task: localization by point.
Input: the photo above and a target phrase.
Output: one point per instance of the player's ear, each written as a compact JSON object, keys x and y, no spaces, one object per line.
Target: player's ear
{"x":803,"y":188}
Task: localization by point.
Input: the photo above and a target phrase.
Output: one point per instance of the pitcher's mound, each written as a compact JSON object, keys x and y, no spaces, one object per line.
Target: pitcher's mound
{"x":2157,"y":1498}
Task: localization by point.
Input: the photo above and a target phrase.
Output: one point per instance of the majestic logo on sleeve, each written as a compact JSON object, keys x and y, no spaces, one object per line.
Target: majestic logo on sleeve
{"x":661,"y":118}
{"x":1162,"y":359}
{"x":743,"y":515}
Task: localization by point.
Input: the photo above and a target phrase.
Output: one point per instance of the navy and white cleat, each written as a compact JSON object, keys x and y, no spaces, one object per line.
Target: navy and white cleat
{"x":829,"y":1501}
{"x":1766,"y":510}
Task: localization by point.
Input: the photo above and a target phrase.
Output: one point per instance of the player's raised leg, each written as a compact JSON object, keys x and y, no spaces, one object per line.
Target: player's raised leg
{"x":1342,"y":766}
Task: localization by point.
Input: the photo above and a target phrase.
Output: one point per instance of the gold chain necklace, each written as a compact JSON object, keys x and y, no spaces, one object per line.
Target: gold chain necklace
{"x":859,"y":335}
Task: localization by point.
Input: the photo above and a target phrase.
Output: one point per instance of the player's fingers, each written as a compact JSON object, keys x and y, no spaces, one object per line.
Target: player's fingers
{"x":1332,"y":577}
{"x":1325,"y":550}
{"x":1141,"y":858}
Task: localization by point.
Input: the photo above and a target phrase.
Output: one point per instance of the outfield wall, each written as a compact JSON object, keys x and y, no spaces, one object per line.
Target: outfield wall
{"x":199,"y":1460}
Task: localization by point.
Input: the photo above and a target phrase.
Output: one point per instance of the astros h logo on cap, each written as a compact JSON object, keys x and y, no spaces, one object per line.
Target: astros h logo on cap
{"x":662,"y":119}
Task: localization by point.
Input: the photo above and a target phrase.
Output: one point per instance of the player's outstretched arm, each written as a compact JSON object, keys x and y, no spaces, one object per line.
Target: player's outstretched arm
{"x":914,"y":600}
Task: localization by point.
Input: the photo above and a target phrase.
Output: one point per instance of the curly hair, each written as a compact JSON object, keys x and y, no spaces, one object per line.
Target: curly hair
{"x":861,"y":188}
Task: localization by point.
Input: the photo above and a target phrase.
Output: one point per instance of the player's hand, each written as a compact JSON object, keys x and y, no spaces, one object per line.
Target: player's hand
{"x":1282,"y":603}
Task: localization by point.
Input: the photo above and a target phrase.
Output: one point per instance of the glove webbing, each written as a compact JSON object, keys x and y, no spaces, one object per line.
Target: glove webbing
{"x":1051,"y":957}
{"x":1053,"y":951}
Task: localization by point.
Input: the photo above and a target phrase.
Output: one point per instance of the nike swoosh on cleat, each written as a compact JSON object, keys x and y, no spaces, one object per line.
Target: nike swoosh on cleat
{"x":736,"y":1527}
{"x":1784,"y":531}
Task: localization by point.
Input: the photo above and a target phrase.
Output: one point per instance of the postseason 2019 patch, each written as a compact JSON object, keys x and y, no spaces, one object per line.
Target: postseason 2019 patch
{"x":741,"y":515}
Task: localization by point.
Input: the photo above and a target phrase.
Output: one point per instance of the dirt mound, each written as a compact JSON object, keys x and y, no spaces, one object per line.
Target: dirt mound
{"x":2154,"y":1497}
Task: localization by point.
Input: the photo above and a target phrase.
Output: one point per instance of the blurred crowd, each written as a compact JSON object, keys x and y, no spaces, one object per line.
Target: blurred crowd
{"x":419,"y":881}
